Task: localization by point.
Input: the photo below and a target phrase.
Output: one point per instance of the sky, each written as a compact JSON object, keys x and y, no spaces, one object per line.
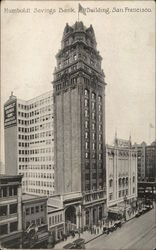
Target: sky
{"x":125,"y":40}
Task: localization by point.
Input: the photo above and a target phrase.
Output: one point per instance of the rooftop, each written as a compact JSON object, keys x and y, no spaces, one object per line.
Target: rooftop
{"x":27,"y":197}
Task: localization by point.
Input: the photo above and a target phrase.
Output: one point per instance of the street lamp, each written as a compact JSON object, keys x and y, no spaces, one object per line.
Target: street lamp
{"x":125,"y":200}
{"x":79,"y":214}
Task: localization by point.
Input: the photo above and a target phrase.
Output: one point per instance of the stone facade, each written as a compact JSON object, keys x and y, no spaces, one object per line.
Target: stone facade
{"x":121,"y":162}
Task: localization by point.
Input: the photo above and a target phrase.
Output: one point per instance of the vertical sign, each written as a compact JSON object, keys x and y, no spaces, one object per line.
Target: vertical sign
{"x":10,"y":116}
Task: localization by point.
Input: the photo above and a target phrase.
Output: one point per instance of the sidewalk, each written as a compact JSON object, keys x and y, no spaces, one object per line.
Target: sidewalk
{"x":87,"y":236}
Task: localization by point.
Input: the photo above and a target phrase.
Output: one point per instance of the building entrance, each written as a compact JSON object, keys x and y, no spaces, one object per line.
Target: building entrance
{"x":70,"y":219}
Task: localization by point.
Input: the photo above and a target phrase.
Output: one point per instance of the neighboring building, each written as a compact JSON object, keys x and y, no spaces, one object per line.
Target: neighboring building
{"x":150,"y":159}
{"x":29,"y":142}
{"x":121,"y":171}
{"x":140,"y":159}
{"x":2,"y":168}
{"x":56,"y":219}
{"x":34,"y":221}
{"x":10,"y":211}
{"x":146,"y":161}
{"x":79,"y":126}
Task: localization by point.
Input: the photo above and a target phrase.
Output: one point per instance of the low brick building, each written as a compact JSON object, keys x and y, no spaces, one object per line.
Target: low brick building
{"x":10,"y":211}
{"x":34,"y":221}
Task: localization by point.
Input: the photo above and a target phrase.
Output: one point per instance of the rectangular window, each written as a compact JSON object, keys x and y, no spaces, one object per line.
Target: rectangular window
{"x":86,"y":145}
{"x":93,"y":115}
{"x":86,"y":135}
{"x":93,"y":105}
{"x":86,"y":102}
{"x":86,"y":113}
{"x":3,"y":229}
{"x":41,"y":208}
{"x":86,"y":124}
{"x":27,"y":211}
{"x":3,"y":210}
{"x":32,"y":210}
{"x":13,"y":226}
{"x":99,"y":98}
{"x":86,"y":92}
{"x":93,"y":96}
{"x":37,"y":209}
{"x":13,"y":208}
{"x":4,"y":189}
{"x":87,"y":156}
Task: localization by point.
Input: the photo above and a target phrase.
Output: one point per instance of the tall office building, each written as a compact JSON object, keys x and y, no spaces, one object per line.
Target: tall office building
{"x":150,"y":162}
{"x":79,"y":122}
{"x":29,"y":142}
{"x":140,"y":160}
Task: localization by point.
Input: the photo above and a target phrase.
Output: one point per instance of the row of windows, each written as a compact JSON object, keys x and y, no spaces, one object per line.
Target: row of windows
{"x":93,"y":176}
{"x":39,"y":167}
{"x":93,"y":115}
{"x":93,"y":146}
{"x":46,"y":142}
{"x":36,"y":151}
{"x":93,"y":136}
{"x":36,"y":104}
{"x":6,"y":228}
{"x":93,"y":126}
{"x":8,"y":191}
{"x":36,"y":159}
{"x":36,"y":128}
{"x":37,"y":222}
{"x":94,"y":166}
{"x":6,"y":210}
{"x":44,"y":167}
{"x":39,"y":183}
{"x":93,"y":95}
{"x":36,"y":209}
{"x":87,"y":156}
{"x":35,"y":136}
{"x":94,"y":186}
{"x":65,"y":84}
{"x":36,"y":112}
{"x":55,"y":219}
{"x":39,"y":175}
{"x":39,"y":191}
{"x":26,"y":144}
{"x":36,"y":120}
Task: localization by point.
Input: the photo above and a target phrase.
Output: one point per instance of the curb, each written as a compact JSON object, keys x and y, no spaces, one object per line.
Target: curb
{"x":93,"y":238}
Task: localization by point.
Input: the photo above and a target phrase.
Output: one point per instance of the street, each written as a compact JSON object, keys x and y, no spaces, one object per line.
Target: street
{"x":138,"y":233}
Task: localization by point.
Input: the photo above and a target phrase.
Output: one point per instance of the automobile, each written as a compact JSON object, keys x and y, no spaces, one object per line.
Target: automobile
{"x":79,"y":243}
{"x":106,"y":230}
{"x":138,"y":214}
{"x":69,"y":246}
